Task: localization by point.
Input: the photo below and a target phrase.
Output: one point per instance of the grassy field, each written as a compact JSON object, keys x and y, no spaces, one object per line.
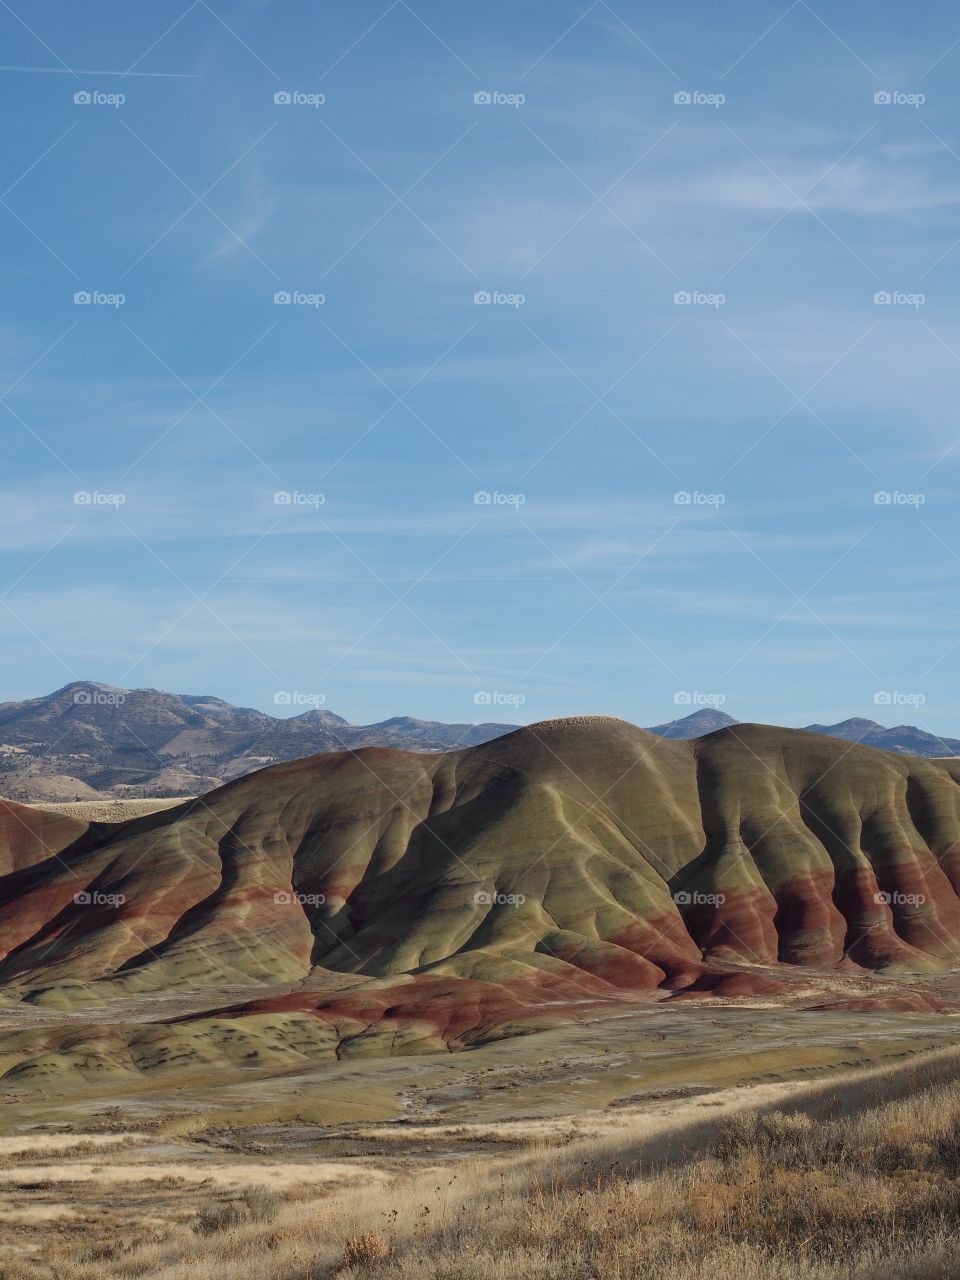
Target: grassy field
{"x":856,"y":1177}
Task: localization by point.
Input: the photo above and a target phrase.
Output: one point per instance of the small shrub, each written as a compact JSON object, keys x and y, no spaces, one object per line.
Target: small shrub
{"x":749,"y":1133}
{"x":261,"y":1204}
{"x":365,"y":1251}
{"x":947,"y":1148}
{"x":254,"y":1204}
{"x":215,"y":1217}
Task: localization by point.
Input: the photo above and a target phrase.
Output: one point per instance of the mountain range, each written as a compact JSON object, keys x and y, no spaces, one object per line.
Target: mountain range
{"x":903,"y":738}
{"x":384,"y":901}
{"x":88,"y":741}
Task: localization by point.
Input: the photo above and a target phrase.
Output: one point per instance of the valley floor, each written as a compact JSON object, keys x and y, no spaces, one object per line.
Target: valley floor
{"x":647,"y":1143}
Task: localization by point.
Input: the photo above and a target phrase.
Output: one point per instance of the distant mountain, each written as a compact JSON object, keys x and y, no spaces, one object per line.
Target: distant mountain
{"x":448,"y":735}
{"x":695,"y":725}
{"x":905,"y":738}
{"x":89,"y":740}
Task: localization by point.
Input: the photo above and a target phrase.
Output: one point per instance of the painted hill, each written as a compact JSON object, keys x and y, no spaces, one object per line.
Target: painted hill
{"x":469,"y":895}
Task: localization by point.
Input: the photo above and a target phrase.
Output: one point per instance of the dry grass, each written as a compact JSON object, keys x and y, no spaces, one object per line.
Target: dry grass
{"x":255,"y":1204}
{"x":838,"y":1185}
{"x":110,"y":810}
{"x":364,"y":1252}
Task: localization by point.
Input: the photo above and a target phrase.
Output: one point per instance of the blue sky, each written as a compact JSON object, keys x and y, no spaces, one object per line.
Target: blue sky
{"x":585,"y":197}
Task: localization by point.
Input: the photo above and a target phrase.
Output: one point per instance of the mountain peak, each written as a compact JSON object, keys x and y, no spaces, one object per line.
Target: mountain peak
{"x":695,"y":725}
{"x":316,"y":716}
{"x":854,"y":725}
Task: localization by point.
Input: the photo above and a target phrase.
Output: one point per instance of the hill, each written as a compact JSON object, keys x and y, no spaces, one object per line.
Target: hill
{"x":386,"y":901}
